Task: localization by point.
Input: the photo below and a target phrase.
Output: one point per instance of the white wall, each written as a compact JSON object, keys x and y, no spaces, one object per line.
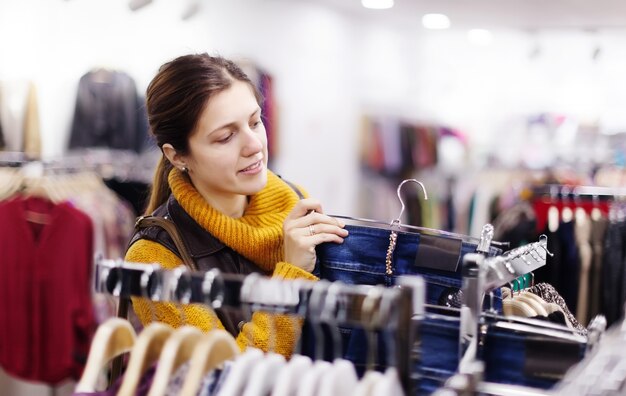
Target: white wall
{"x":329,"y":69}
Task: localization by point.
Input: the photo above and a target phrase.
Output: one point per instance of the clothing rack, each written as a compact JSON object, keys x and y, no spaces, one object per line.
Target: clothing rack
{"x":573,"y":192}
{"x":108,"y":163}
{"x":390,"y":308}
{"x":482,"y":275}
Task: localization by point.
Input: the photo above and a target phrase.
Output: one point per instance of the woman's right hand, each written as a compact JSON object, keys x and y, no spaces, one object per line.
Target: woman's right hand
{"x":305,"y":227}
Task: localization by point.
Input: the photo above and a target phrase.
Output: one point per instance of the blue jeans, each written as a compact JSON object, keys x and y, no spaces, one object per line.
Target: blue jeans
{"x":510,"y":357}
{"x":436,"y":353}
{"x":516,"y":358}
{"x":360,"y":259}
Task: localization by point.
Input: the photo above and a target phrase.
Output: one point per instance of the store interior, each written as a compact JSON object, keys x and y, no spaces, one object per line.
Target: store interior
{"x":482,"y":101}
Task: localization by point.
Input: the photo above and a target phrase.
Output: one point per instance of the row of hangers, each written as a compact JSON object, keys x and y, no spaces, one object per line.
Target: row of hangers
{"x":571,"y":197}
{"x":521,"y":301}
{"x":326,"y":302}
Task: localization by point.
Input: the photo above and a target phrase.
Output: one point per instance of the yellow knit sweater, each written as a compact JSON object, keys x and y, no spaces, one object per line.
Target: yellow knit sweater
{"x":257,"y":235}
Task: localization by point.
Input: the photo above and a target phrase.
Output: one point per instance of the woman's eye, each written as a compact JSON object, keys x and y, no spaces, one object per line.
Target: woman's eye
{"x":257,"y":123}
{"x":226,"y":138}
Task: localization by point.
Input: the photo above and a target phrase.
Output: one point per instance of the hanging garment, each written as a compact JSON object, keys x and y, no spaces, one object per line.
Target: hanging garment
{"x":362,"y":260}
{"x":613,"y":271}
{"x":46,"y":316}
{"x":598,"y":230}
{"x":108,"y":113}
{"x":583,"y":235}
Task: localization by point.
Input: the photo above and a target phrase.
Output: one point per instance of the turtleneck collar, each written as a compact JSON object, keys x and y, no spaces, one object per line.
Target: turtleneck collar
{"x":258,"y":234}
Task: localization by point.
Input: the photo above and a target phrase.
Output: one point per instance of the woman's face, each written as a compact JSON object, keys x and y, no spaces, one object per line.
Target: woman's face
{"x":228,"y":150}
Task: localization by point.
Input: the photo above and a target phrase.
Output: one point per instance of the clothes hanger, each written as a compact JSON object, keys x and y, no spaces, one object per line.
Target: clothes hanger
{"x":343,"y":377}
{"x":553,"y":212}
{"x":180,"y":345}
{"x":310,"y":382}
{"x":396,"y":224}
{"x":290,"y":374}
{"x":264,"y":372}
{"x":540,"y":305}
{"x":150,"y":342}
{"x":216,"y":347}
{"x":525,"y":297}
{"x":177,"y":350}
{"x":240,"y":372}
{"x":211,"y":351}
{"x":113,"y":338}
{"x":369,"y":381}
{"x":567,"y":214}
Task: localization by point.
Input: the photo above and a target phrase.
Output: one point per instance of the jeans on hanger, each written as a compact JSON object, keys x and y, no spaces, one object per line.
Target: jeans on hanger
{"x":436,"y":352}
{"x":510,"y":357}
{"x":361,"y":259}
{"x":518,"y":358}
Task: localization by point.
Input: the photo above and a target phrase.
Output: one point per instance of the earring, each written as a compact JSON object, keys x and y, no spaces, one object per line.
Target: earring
{"x":184,"y":169}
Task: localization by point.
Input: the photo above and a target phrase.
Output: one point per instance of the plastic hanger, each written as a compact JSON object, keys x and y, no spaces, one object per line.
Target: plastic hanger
{"x":240,"y":371}
{"x":264,"y":375}
{"x":149,"y":344}
{"x":177,"y":350}
{"x":246,"y":362}
{"x":146,"y":351}
{"x":366,"y":385}
{"x":113,"y":338}
{"x":179,"y":346}
{"x":342,"y":379}
{"x":291,"y":374}
{"x":212,"y":350}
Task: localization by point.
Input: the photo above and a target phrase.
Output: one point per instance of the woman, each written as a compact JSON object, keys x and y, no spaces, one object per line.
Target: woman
{"x":213,"y":183}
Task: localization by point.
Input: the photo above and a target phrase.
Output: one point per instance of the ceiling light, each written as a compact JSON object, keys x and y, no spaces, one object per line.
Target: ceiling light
{"x":377,"y":4}
{"x":435,"y":21}
{"x":481,"y":37}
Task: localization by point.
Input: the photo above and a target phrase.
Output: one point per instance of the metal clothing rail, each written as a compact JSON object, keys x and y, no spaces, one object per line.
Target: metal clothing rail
{"x":374,"y":308}
{"x":574,"y":191}
{"x":482,"y":275}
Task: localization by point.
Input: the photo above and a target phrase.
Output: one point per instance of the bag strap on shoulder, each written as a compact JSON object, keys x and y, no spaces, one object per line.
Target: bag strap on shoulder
{"x":169,"y":227}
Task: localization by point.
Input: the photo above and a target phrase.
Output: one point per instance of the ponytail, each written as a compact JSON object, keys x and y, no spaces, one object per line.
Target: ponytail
{"x":160,"y":190}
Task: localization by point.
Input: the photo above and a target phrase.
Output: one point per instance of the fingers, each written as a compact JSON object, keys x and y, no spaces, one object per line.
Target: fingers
{"x":316,"y":229}
{"x":303,"y":207}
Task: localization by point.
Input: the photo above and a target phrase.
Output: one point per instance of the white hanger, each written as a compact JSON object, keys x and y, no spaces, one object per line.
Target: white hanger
{"x":264,"y":375}
{"x":240,"y":371}
{"x":290,"y":375}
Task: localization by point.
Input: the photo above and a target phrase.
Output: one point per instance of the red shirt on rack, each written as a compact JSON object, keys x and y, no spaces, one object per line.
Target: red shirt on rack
{"x":46,"y":311}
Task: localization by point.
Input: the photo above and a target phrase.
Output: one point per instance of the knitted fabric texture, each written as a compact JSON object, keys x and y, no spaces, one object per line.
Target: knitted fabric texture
{"x":257,"y":235}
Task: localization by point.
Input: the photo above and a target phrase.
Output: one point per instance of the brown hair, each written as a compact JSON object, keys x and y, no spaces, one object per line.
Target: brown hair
{"x":175,"y":99}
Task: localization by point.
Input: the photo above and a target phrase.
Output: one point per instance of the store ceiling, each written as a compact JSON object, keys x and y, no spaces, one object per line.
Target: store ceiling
{"x":516,"y":14}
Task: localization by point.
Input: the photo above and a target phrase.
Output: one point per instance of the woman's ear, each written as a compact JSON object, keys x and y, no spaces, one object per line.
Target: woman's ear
{"x":174,"y":157}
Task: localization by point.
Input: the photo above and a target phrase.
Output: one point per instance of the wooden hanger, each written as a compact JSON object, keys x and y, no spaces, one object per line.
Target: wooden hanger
{"x":177,"y":350}
{"x":113,"y":338}
{"x":212,"y":350}
{"x":146,"y":351}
